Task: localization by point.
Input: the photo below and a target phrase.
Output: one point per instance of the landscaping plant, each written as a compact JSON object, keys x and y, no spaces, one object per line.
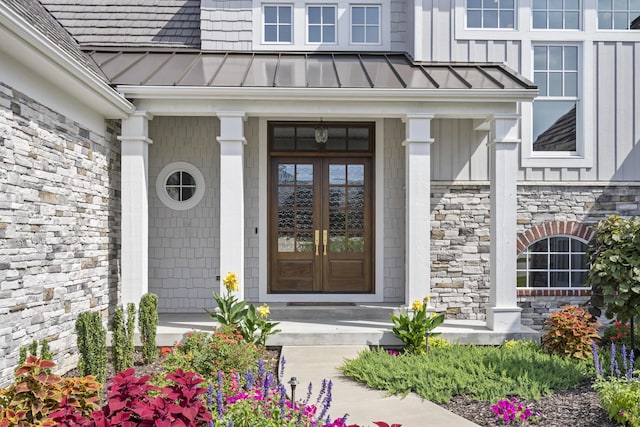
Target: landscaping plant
{"x":510,"y":410}
{"x":618,"y":390}
{"x":483,"y":373}
{"x":412,"y":327}
{"x":614,"y":276}
{"x":122,"y":348}
{"x":131,"y":331}
{"x":32,"y":350}
{"x":619,"y":333}
{"x":92,"y":345}
{"x":571,"y":331}
{"x":148,"y":324}
{"x":252,"y":322}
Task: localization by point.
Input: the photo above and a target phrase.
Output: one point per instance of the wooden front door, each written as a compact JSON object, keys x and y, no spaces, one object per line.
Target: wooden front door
{"x":321,"y":224}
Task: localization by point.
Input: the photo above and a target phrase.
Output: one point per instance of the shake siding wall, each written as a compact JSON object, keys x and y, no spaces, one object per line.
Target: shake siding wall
{"x":226,"y":24}
{"x":59,"y":227}
{"x":252,"y":211}
{"x":184,"y":245}
{"x":394,"y":211}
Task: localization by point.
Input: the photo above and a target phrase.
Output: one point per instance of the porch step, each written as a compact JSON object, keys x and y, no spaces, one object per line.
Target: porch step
{"x":327,"y":325}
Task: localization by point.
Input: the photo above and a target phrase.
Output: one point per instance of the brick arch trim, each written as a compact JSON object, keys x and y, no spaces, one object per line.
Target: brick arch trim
{"x":554,"y":228}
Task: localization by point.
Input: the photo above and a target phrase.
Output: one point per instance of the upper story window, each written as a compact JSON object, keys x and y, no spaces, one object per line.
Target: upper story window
{"x":321,"y":24}
{"x":555,"y":71}
{"x":365,"y":24}
{"x":618,"y":14}
{"x":278,"y":26}
{"x":490,"y":14}
{"x":553,"y":262}
{"x":556,"y":14}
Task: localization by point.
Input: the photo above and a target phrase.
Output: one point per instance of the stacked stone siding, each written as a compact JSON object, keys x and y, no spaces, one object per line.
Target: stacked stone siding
{"x":59,"y":227}
{"x":461,"y":237}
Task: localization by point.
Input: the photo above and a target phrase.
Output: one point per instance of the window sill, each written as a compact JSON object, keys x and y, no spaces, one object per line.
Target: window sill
{"x":557,"y":160}
{"x":538,"y":292}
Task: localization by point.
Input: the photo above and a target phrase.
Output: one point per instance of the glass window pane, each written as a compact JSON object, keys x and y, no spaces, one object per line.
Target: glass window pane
{"x":285,"y":33}
{"x":285,"y":219}
{"x":620,"y":20}
{"x":284,"y":14}
{"x":337,"y":242}
{"x":559,"y":279}
{"x":314,"y":34}
{"x":173,"y":179}
{"x":539,"y":246}
{"x":578,"y":262}
{"x":270,"y":33}
{"x":285,"y":197}
{"x":619,"y":4}
{"x":336,"y":144}
{"x":286,"y":174}
{"x":554,"y":126}
{"x":356,"y":220}
{"x":372,"y":16}
{"x":521,"y":279}
{"x":357,"y":34}
{"x":283,"y":145}
{"x":489,"y":4}
{"x":540,"y":79}
{"x":506,"y":19}
{"x":337,"y":174}
{"x":356,"y":242}
{"x":605,"y":21}
{"x":490,"y":19}
{"x":174,"y":193}
{"x":356,"y":198}
{"x":304,"y":219}
{"x":571,"y":58}
{"x":304,"y":243}
{"x":539,"y":19}
{"x":372,"y":35}
{"x":572,"y":4}
{"x":304,"y":174}
{"x":538,"y":261}
{"x":357,"y":15}
{"x":578,"y":279}
{"x":329,"y":15}
{"x":556,"y":5}
{"x":474,"y":4}
{"x":538,"y":279}
{"x":555,"y":57}
{"x":558,"y":244}
{"x":555,"y":84}
{"x":187,"y":193}
{"x":355,"y":174}
{"x":578,"y":246}
{"x":539,"y":4}
{"x":555,"y":20}
{"x":572,"y":20}
{"x":187,"y":179}
{"x":605,"y":4}
{"x":314,"y":15}
{"x":337,"y":220}
{"x":285,"y":242}
{"x":474,"y":19}
{"x":358,"y":145}
{"x":540,"y":57}
{"x":559,"y":261}
{"x":634,"y":6}
{"x":270,"y":14}
{"x":304,"y":196}
{"x":570,"y":84}
{"x":329,"y":34}
{"x":506,"y":4}
{"x":337,"y":198}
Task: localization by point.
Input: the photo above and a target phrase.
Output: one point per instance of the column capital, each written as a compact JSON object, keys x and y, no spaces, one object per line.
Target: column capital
{"x":418,"y":128}
{"x":231,"y":126}
{"x":505,"y":128}
{"x":136,"y":127}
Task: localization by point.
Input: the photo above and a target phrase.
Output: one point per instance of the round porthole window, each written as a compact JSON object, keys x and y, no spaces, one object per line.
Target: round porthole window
{"x":180,"y":186}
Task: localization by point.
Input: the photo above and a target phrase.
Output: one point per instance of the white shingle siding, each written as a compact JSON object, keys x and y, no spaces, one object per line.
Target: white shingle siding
{"x":226,"y":25}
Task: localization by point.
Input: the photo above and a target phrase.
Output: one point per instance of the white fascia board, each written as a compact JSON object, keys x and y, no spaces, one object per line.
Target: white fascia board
{"x":29,"y":46}
{"x":327,"y":94}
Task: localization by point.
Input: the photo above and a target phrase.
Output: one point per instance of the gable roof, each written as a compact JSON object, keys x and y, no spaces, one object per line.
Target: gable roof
{"x":127,"y":23}
{"x":40,"y":19}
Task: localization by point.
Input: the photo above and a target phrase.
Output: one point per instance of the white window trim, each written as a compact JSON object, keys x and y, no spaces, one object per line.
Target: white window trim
{"x":161,"y":190}
{"x":335,"y":25}
{"x":299,"y":30}
{"x":263,"y":24}
{"x":351,"y":42}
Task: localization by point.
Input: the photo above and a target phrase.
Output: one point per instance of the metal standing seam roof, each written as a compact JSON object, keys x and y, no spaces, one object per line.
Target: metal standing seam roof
{"x":299,"y":70}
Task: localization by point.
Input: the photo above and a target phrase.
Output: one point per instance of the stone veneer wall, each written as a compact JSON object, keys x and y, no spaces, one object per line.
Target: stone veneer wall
{"x":461,"y":237}
{"x":59,"y":227}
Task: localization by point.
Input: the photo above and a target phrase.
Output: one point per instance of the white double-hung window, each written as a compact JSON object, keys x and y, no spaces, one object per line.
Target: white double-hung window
{"x":556,"y":14}
{"x":555,"y":110}
{"x":491,"y":14}
{"x":321,"y":24}
{"x":365,"y":24}
{"x":618,"y":14}
{"x":278,"y":23}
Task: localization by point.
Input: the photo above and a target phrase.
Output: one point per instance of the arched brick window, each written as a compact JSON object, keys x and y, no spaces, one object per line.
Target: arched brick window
{"x":552,"y":256}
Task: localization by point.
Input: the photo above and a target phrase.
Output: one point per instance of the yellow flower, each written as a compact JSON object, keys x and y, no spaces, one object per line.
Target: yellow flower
{"x":426,"y":299}
{"x":231,"y":282}
{"x":417,"y":305}
{"x":263,"y":310}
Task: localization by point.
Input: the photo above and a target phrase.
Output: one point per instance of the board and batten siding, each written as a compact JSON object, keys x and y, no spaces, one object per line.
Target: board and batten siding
{"x":615,"y":87}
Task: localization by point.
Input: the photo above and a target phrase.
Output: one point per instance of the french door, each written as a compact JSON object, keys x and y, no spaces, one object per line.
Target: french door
{"x":320,"y":225}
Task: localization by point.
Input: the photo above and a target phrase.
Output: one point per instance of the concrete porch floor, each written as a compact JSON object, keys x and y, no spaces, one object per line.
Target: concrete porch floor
{"x":337,"y":325}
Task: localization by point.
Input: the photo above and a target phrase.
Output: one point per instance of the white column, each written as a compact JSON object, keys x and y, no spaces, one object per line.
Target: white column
{"x":503,"y":313}
{"x":134,"y":263}
{"x":418,"y":207}
{"x":232,"y":143}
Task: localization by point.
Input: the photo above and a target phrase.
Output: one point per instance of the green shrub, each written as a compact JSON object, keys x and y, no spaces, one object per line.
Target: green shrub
{"x":620,"y":398}
{"x":225,"y":350}
{"x":92,"y":345}
{"x":619,"y":333}
{"x":484,"y":373}
{"x":148,"y":319}
{"x":571,"y":331}
{"x":131,"y":331}
{"x":32,"y":350}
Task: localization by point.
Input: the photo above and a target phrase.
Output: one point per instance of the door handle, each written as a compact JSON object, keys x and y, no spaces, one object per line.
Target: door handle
{"x":324,"y":242}
{"x":317,"y":241}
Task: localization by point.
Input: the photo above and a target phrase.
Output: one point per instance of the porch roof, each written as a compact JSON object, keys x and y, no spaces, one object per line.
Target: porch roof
{"x":300,"y":70}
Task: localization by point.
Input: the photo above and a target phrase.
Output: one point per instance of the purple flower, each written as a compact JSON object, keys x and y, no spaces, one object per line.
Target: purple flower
{"x":283,"y":362}
{"x":630,"y":368}
{"x":326,"y":403}
{"x":596,"y":360}
{"x":612,"y":359}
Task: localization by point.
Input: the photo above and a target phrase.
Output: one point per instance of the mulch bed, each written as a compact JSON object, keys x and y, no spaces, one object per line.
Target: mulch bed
{"x":578,"y":407}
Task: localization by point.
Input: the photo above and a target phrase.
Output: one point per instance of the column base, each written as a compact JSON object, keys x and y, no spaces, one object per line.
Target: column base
{"x":504,"y":319}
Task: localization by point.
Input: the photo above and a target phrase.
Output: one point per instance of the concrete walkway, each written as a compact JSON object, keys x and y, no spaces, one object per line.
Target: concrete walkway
{"x":314,"y":363}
